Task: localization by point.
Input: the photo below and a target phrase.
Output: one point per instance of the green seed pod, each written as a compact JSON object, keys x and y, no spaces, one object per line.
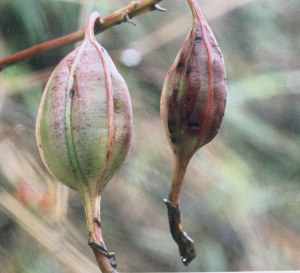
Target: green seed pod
{"x":84,"y":124}
{"x":192,"y":109}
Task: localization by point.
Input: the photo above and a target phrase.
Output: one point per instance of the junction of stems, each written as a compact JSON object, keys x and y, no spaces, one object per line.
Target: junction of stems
{"x":125,"y":14}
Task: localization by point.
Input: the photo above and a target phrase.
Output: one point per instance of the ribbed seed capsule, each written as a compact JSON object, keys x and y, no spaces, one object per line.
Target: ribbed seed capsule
{"x":192,"y":108}
{"x":84,"y":125}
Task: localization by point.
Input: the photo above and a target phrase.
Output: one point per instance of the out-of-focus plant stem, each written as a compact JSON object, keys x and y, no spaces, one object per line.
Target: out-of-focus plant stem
{"x":125,"y":14}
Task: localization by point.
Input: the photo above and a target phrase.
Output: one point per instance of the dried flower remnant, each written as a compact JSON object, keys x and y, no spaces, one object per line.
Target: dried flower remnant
{"x":84,"y":129}
{"x":192,"y":108}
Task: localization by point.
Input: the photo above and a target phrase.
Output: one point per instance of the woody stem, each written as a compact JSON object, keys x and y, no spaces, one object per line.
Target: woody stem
{"x":134,"y":9}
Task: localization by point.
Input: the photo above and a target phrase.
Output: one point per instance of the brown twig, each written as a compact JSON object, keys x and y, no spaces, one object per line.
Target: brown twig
{"x":125,"y":14}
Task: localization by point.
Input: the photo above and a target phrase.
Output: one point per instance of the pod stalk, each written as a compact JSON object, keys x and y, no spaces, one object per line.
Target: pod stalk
{"x":105,"y":259}
{"x":184,"y":242}
{"x":178,"y":177}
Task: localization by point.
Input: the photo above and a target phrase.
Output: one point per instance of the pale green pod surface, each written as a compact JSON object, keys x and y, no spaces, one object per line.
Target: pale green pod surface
{"x":84,"y":125}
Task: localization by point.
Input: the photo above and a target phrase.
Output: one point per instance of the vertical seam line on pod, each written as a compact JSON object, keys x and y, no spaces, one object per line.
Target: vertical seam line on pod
{"x":68,"y":121}
{"x":110,"y":100}
{"x":210,"y":71}
{"x":38,"y":123}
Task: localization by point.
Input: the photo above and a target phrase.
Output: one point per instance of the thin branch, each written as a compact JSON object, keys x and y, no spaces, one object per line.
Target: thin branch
{"x":125,"y":14}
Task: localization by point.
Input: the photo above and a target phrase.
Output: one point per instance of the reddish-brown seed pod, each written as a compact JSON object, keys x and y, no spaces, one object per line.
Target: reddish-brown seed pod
{"x":192,"y":108}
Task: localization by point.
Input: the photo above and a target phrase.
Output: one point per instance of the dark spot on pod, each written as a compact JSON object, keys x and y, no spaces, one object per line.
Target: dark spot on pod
{"x":71,"y":94}
{"x":225,"y":80}
{"x":169,"y":126}
{"x":188,"y":98}
{"x":198,"y":40}
{"x":193,"y":125}
{"x":174,"y":93}
{"x":180,"y":65}
{"x":187,"y":114}
{"x":189,"y":71}
{"x":173,"y":140}
{"x":218,"y":128}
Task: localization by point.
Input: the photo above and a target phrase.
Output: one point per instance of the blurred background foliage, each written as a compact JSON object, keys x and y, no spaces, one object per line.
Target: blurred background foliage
{"x":241,"y":197}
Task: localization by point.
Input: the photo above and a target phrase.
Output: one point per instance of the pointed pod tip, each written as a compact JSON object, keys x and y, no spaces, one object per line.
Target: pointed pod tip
{"x":95,"y":13}
{"x":92,"y":26}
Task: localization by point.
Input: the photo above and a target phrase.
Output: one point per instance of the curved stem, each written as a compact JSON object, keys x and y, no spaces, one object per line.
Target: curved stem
{"x":184,"y":242}
{"x":134,"y":9}
{"x":178,"y":176}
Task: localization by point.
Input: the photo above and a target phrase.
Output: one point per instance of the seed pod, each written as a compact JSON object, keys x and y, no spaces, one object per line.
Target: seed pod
{"x":192,"y":109}
{"x":84,"y":125}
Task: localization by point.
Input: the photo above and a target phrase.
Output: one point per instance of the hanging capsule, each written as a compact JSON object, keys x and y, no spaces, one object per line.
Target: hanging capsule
{"x":192,"y":109}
